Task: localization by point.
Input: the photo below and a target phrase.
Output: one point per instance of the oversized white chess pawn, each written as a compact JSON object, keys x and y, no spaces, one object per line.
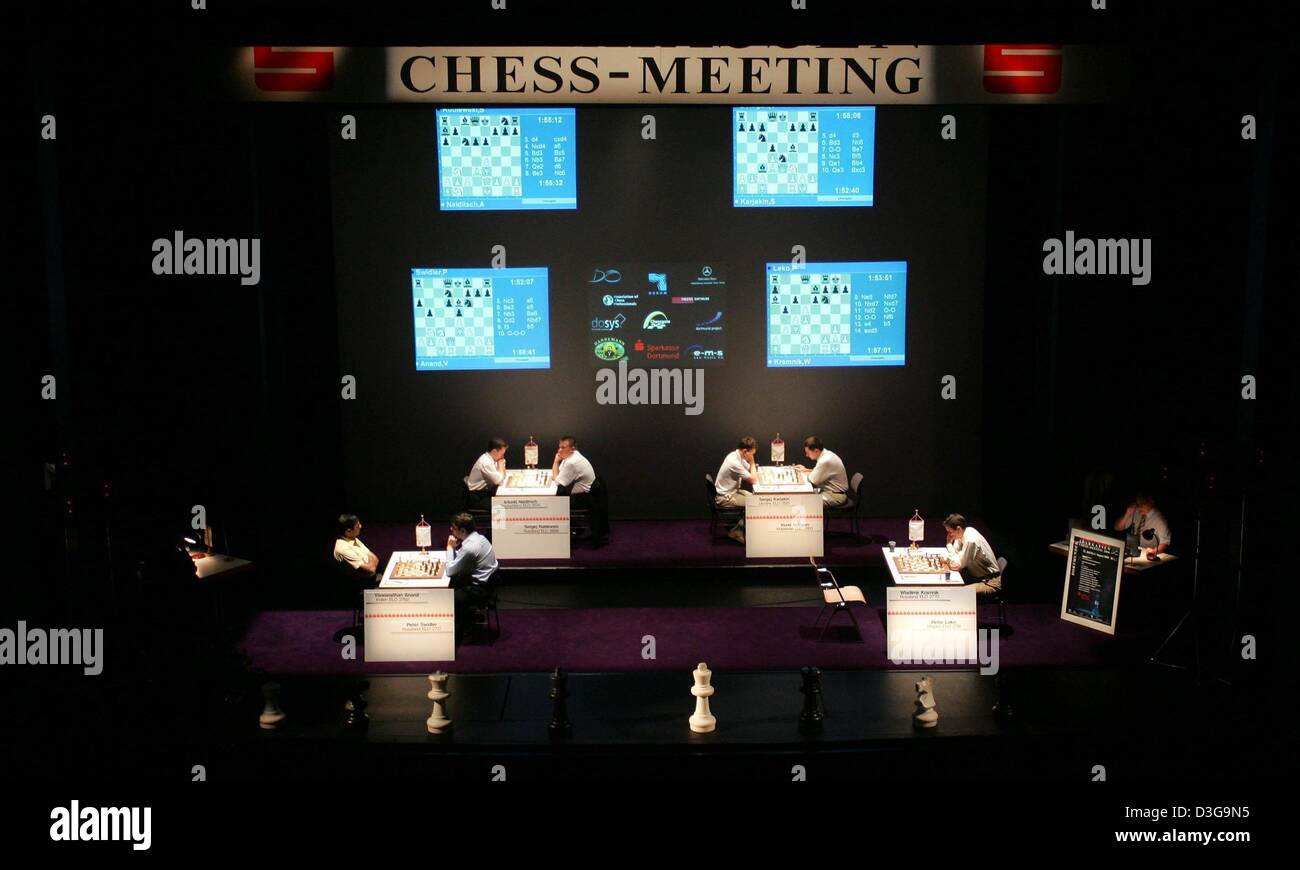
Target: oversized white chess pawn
{"x":702,"y":721}
{"x":272,"y":715}
{"x":438,"y":723}
{"x":925,"y":716}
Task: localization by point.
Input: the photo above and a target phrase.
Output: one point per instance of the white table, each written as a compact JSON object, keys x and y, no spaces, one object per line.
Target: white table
{"x":952,"y":578}
{"x":390,"y":582}
{"x":781,"y":478}
{"x":1132,"y":564}
{"x":207,"y":565}
{"x":527,"y":481}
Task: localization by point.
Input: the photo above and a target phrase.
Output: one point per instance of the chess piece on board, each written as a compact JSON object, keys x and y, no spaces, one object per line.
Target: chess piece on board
{"x":702,"y":721}
{"x":438,"y":723}
{"x":272,"y":715}
{"x":560,"y":724}
{"x":925,"y":716}
{"x":813,"y":711}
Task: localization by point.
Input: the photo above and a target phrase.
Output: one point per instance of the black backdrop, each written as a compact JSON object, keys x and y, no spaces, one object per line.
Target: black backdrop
{"x":410,"y":436}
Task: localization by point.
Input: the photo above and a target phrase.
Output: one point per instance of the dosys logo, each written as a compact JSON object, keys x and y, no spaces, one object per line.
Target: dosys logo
{"x":605,"y":324}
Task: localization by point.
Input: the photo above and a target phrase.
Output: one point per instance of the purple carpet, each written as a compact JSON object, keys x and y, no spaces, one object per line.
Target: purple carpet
{"x":643,"y":543}
{"x":610,"y":639}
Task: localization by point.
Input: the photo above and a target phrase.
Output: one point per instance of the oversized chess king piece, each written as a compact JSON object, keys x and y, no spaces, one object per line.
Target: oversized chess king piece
{"x":926,"y":716}
{"x":703,"y":721}
{"x":272,"y":715}
{"x":438,"y":723}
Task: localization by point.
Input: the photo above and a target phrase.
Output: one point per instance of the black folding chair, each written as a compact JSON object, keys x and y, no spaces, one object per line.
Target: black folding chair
{"x":836,"y":599}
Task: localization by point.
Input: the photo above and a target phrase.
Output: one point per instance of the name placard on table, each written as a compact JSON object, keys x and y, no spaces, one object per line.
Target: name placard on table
{"x":783,"y":524}
{"x":530,"y":527}
{"x":410,"y":625}
{"x":928,"y":624}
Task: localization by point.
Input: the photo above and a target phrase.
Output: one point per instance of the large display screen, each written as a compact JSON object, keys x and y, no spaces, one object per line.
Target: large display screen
{"x":657,"y":314}
{"x":813,"y":156}
{"x":481,"y":319}
{"x":836,"y":314}
{"x":507,"y":159}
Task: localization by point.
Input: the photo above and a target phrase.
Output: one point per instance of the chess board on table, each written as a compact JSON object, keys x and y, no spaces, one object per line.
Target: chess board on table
{"x":418,"y":569}
{"x":781,"y":475}
{"x":922,"y":563}
{"x":528,"y":477}
{"x":481,"y":156}
{"x":780,"y":479}
{"x":777,"y":152}
{"x":454,"y":317}
{"x":809,"y":313}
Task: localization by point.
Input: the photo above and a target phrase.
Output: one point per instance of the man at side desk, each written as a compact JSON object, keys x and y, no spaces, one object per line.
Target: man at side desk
{"x":471,"y":567}
{"x":1147,"y":524}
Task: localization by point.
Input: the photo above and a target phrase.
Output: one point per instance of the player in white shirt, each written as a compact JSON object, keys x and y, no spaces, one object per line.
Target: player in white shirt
{"x":348,"y":548}
{"x":828,"y":475}
{"x":737,"y":468}
{"x":571,"y":471}
{"x":488,"y":473}
{"x":969,"y":552}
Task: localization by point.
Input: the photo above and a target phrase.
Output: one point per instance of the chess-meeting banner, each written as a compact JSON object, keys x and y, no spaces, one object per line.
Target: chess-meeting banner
{"x":530,"y":527}
{"x":410,"y":625}
{"x":783,"y":524}
{"x":1094,"y":568}
{"x":931,"y":625}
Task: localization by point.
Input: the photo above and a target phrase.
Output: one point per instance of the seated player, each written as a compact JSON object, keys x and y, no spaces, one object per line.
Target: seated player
{"x":348,"y":548}
{"x":471,"y":567}
{"x":488,"y":473}
{"x":1147,"y":524}
{"x":571,"y":471}
{"x":739,"y":467}
{"x":970,"y":553}
{"x":828,"y":475}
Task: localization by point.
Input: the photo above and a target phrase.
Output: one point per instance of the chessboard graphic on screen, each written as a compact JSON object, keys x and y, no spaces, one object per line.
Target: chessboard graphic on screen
{"x":810,"y":156}
{"x":481,"y":319}
{"x":656,"y":315}
{"x":836,"y":314}
{"x":515,"y":159}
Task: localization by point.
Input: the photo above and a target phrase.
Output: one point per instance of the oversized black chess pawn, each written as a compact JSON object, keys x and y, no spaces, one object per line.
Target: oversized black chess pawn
{"x":354,"y":708}
{"x":560,"y":725}
{"x":813,"y":711}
